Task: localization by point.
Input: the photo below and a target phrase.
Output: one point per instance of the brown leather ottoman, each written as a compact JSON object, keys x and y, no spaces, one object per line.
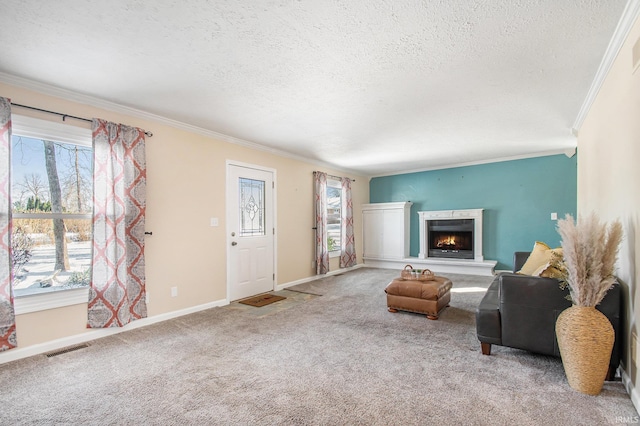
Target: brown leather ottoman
{"x":423,"y":297}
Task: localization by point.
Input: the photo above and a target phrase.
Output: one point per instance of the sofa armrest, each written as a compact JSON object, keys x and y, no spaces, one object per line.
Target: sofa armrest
{"x":529,"y":307}
{"x":612,"y":307}
{"x":488,"y":316}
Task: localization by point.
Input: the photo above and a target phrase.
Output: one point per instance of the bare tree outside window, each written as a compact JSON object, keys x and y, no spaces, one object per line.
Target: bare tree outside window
{"x":62,"y":258}
{"x":35,"y":186}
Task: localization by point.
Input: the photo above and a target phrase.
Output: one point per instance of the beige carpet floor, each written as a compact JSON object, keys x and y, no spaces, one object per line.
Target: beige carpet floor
{"x":330,"y":354}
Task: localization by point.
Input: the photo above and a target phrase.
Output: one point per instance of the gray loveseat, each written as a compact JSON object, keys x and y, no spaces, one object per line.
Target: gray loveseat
{"x":520,"y":311}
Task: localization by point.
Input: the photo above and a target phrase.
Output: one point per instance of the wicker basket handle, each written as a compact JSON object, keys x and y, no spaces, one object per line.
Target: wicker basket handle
{"x":427,"y":273}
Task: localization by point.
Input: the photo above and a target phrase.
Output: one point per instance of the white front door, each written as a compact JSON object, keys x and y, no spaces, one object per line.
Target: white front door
{"x":250,"y":231}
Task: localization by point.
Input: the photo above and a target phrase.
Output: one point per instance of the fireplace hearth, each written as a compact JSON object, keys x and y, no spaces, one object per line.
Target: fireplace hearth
{"x":451,"y":238}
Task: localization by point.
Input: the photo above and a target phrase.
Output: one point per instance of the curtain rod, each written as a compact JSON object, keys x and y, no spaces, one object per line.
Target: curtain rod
{"x":65,"y":116}
{"x":337,"y":177}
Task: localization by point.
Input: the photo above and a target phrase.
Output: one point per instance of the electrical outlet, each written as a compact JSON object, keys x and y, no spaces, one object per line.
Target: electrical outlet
{"x":634,"y":347}
{"x":554,"y":216}
{"x":146,"y":298}
{"x":174,"y":291}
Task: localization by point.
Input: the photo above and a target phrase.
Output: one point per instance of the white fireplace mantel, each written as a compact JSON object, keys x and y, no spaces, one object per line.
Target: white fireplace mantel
{"x":476,"y":214}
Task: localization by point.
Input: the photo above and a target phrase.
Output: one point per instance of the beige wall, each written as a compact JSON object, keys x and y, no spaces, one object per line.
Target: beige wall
{"x":185,"y":188}
{"x":609,"y":175}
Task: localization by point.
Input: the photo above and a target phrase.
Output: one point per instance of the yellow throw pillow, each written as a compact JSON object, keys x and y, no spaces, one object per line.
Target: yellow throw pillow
{"x":555,"y":268}
{"x":538,"y":259}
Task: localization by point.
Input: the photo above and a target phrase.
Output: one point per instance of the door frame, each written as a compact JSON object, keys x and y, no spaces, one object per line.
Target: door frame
{"x":228,"y":231}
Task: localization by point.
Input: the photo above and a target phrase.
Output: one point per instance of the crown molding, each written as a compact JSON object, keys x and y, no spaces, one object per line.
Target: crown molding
{"x":69,"y":95}
{"x":629,"y":16}
{"x":569,"y":152}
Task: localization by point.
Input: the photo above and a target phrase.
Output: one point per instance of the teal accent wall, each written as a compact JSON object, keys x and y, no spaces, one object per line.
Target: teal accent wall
{"x":518,"y":197}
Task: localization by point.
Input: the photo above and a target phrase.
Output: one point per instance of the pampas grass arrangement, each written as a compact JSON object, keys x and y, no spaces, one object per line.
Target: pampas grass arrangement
{"x":590,"y":250}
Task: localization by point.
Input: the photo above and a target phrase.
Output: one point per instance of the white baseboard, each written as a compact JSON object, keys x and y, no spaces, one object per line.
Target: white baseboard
{"x":93,"y":334}
{"x":317,"y":277}
{"x":631,"y":390}
{"x":442,"y":266}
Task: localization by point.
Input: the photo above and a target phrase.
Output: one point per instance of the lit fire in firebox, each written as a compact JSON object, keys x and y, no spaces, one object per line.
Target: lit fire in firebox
{"x":447,"y":242}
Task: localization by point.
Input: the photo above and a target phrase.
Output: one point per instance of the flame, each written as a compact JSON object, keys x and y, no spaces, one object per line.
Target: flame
{"x":448,"y":241}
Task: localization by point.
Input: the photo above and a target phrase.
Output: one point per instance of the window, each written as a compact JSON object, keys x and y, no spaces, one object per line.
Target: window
{"x":251,"y":208}
{"x":51,"y":198}
{"x":334,"y":216}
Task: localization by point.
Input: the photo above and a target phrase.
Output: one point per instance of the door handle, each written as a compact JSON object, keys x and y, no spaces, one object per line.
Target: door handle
{"x":234,"y":243}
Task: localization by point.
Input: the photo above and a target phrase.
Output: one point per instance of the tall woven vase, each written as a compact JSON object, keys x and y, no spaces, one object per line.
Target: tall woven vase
{"x":585,"y":338}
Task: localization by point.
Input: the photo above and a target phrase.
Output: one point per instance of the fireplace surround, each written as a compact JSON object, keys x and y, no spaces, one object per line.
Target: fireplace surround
{"x":451,"y":234}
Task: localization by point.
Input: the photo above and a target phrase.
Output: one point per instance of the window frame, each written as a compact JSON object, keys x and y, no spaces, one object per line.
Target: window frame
{"x":335,"y":183}
{"x":43,"y":129}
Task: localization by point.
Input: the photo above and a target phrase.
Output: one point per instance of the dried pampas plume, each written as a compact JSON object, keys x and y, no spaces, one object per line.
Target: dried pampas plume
{"x":590,"y":253}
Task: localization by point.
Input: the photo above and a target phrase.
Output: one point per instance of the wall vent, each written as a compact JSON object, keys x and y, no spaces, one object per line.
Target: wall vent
{"x":67,"y":350}
{"x":635,"y":55}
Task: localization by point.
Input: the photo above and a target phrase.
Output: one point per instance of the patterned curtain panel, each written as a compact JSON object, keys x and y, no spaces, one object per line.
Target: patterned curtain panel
{"x":7,"y":314}
{"x":348,"y":246}
{"x":322,"y":252}
{"x":117,"y":291}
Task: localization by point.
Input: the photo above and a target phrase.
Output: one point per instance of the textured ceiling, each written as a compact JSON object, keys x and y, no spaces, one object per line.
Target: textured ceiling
{"x":372,"y":87}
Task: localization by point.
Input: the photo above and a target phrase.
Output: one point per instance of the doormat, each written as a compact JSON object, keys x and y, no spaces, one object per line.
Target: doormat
{"x":262,"y":300}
